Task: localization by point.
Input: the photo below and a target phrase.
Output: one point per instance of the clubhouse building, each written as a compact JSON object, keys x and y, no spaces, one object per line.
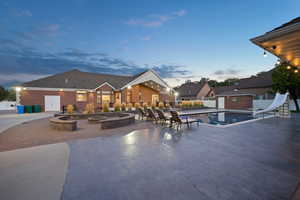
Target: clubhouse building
{"x":80,"y":88}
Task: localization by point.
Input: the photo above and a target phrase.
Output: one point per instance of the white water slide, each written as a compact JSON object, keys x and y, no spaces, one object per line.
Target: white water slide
{"x":278,"y":101}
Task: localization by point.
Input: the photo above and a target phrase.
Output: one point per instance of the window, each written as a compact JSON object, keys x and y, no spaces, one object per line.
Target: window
{"x":98,"y":98}
{"x":234,"y":99}
{"x":105,"y":98}
{"x":81,"y":96}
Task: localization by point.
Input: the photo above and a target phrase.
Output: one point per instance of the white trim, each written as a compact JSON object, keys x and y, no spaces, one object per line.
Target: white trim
{"x":105,"y":83}
{"x":147,"y":77}
{"x":276,"y":33}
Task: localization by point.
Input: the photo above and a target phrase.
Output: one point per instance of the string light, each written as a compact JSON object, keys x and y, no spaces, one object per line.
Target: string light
{"x":265,"y":54}
{"x":288,"y":67}
{"x":296,"y":71}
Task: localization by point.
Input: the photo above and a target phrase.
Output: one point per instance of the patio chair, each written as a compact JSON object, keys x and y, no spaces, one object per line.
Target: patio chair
{"x":162,"y":117}
{"x":141,"y":113}
{"x":179,"y":120}
{"x":151,"y":115}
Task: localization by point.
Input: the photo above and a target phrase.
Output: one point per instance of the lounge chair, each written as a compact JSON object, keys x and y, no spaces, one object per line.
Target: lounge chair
{"x":142,"y":113}
{"x":151,"y":115}
{"x":179,"y":120}
{"x":162,"y":117}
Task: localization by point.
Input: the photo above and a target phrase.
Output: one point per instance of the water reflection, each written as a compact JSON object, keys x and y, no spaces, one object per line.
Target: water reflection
{"x":168,"y":136}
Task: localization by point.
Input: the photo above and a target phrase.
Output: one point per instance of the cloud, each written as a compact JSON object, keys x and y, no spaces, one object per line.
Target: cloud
{"x":227,"y":72}
{"x":22,"y":13}
{"x":19,"y":77}
{"x":22,"y":63}
{"x":49,"y":30}
{"x":155,"y":20}
{"x":146,"y":38}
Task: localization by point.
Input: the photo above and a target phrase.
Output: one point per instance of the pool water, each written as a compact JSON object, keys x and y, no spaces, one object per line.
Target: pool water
{"x":224,"y":118}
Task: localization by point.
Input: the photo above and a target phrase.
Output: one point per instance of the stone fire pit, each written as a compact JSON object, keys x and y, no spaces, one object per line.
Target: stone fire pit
{"x":63,"y":123}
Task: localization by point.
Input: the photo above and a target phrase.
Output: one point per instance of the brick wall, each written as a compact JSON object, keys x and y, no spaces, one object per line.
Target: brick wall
{"x":238,"y":102}
{"x":31,"y":97}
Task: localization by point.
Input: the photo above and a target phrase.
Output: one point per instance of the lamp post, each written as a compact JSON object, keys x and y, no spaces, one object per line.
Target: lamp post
{"x":18,"y":90}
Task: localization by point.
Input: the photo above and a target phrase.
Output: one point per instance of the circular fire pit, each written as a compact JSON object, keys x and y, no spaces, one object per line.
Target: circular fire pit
{"x":96,"y":119}
{"x":63,"y":123}
{"x":106,"y":120}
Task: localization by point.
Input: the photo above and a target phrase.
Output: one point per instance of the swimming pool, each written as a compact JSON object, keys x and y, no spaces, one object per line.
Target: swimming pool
{"x":224,"y":118}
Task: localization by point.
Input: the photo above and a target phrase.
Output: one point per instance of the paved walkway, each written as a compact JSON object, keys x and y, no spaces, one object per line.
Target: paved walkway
{"x":34,"y":173}
{"x":12,"y":119}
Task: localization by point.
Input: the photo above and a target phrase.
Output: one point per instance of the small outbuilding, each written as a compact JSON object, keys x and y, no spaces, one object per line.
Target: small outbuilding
{"x":234,"y":100}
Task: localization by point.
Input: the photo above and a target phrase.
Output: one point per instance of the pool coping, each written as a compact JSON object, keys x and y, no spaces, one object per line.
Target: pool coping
{"x":237,"y":123}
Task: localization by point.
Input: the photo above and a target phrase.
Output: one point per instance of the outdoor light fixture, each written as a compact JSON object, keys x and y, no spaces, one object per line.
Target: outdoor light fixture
{"x":265,"y":54}
{"x":18,"y":89}
{"x":129,"y":87}
{"x":61,"y":90}
{"x":296,"y":71}
{"x":176,"y":94}
{"x":288,"y":67}
{"x":24,"y":88}
{"x":278,"y":62}
{"x":168,"y":89}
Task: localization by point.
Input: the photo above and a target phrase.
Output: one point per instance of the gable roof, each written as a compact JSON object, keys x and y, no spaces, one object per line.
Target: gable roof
{"x":190,"y":89}
{"x":76,"y":79}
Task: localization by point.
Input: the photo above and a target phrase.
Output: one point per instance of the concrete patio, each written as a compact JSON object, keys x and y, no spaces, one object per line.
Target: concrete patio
{"x":258,"y":161}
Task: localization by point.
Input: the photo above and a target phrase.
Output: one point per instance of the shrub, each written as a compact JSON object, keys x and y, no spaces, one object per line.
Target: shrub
{"x":70,"y":109}
{"x":129,"y":106}
{"x":123,"y":107}
{"x":198,"y":104}
{"x":168,"y":106}
{"x":117,"y":107}
{"x":89,"y":109}
{"x":161,"y":105}
{"x":145,"y":105}
{"x":105,"y":107}
{"x":153,"y":106}
{"x":137,"y":105}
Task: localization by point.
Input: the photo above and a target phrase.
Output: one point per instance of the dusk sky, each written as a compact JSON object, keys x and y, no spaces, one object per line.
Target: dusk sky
{"x":179,"y":39}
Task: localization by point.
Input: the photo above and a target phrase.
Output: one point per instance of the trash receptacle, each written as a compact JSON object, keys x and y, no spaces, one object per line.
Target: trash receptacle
{"x":20,"y":109}
{"x":36,"y":108}
{"x":28,"y":109}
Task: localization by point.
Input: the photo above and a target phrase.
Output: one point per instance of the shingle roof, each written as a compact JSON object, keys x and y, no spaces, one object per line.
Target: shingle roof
{"x":76,"y":79}
{"x":189,"y":89}
{"x":293,"y":21}
{"x":260,"y":81}
{"x":263,"y":80}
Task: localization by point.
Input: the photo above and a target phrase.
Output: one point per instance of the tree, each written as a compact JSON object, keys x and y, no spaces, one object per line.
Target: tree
{"x":285,"y":80}
{"x":11,"y":96}
{"x":3,"y":93}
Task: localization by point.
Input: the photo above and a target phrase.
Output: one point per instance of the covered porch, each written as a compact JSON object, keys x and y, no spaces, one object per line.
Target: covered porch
{"x":283,"y":42}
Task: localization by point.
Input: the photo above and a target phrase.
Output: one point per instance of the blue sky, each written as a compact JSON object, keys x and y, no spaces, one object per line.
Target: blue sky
{"x":180,"y":39}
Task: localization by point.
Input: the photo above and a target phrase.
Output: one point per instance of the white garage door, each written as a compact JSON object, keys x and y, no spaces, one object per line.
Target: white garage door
{"x":52,"y":103}
{"x":221,"y":102}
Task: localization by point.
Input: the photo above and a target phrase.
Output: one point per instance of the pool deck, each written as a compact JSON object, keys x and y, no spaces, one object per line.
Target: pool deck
{"x":259,"y":160}
{"x":256,"y":161}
